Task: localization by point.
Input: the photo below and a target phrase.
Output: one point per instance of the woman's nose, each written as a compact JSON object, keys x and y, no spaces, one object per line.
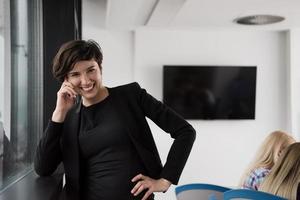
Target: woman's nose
{"x":84,"y":79}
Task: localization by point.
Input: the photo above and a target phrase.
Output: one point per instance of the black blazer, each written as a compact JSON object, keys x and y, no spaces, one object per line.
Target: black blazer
{"x":60,"y":140}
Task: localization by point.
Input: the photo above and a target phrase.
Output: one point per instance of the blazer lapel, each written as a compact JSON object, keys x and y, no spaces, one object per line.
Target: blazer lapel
{"x":152,"y":163}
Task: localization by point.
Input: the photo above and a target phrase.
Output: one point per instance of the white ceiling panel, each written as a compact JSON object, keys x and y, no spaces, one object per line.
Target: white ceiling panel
{"x":193,"y":13}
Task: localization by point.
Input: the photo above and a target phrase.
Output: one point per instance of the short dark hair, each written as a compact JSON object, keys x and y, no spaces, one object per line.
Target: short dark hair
{"x":72,"y":52}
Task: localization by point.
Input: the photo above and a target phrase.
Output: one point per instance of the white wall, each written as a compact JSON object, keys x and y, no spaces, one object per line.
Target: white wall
{"x":223,"y":148}
{"x":117,"y":46}
{"x":294,"y":80}
{"x":118,"y":51}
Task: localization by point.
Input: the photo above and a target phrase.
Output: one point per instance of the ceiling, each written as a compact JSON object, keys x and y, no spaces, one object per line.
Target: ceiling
{"x":188,"y":14}
{"x":130,"y":14}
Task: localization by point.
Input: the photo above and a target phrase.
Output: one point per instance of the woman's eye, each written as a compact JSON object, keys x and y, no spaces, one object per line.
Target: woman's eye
{"x":74,"y":75}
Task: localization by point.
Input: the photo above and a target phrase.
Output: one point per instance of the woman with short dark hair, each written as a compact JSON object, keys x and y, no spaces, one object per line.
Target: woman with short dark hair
{"x":102,"y":136}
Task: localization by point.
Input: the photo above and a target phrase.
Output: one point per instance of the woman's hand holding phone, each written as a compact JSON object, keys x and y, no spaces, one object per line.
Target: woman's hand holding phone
{"x":66,"y":97}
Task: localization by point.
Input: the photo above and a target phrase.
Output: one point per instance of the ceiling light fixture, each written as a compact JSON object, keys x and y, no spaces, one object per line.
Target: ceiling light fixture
{"x":259,"y":19}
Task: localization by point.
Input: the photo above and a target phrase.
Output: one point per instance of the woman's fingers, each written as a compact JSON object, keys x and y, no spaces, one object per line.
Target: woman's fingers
{"x":66,"y":96}
{"x":67,"y":92}
{"x":148,"y":193}
{"x":139,"y":189}
{"x":137,"y":177}
{"x":150,"y":185}
{"x":144,"y":183}
{"x":66,"y":83}
{"x":66,"y":86}
{"x":136,"y":188}
{"x":70,"y":92}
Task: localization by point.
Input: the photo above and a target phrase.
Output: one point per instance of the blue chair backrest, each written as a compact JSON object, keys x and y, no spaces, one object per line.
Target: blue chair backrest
{"x":243,"y":194}
{"x":200,"y":191}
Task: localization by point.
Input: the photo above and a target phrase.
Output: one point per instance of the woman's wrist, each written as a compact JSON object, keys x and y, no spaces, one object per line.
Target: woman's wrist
{"x":58,"y":116}
{"x":166,"y":184}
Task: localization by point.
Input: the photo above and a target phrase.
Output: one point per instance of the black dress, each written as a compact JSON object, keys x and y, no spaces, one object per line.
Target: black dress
{"x":109,"y":158}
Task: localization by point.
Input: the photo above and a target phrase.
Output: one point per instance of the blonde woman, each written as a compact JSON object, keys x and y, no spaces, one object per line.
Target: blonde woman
{"x":265,"y":158}
{"x":284,"y":178}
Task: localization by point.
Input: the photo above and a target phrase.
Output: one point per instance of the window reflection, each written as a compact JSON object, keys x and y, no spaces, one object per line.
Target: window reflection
{"x":20,"y":87}
{"x":2,"y":80}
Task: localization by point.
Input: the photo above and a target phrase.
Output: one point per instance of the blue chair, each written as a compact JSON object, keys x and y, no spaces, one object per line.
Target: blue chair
{"x":200,"y":191}
{"x":243,"y":194}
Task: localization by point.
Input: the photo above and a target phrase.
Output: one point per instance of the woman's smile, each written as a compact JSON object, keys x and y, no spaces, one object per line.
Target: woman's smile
{"x":87,"y":88}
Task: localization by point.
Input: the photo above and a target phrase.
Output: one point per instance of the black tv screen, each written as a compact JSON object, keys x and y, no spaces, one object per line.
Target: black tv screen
{"x":210,"y":92}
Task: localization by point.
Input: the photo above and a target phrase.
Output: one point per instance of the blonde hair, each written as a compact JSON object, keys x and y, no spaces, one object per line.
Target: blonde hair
{"x":285,"y":175}
{"x":268,"y":152}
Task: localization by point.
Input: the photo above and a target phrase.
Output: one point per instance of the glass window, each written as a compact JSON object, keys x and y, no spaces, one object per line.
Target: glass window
{"x":20,"y":87}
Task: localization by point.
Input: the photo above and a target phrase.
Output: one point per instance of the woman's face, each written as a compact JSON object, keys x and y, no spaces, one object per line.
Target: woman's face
{"x":86,"y":78}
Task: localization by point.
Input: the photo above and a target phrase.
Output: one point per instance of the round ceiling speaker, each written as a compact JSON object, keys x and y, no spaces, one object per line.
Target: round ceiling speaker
{"x":259,"y":19}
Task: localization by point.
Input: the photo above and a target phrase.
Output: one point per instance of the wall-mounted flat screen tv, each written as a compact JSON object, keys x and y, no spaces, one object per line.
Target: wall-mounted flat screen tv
{"x":210,"y":92}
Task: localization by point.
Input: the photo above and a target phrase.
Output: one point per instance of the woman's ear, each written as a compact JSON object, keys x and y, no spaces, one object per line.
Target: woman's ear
{"x":279,"y":152}
{"x":278,"y":155}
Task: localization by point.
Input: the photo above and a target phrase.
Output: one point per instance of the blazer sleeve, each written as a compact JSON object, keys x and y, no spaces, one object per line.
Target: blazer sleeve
{"x":48,"y":153}
{"x":180,"y":130}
